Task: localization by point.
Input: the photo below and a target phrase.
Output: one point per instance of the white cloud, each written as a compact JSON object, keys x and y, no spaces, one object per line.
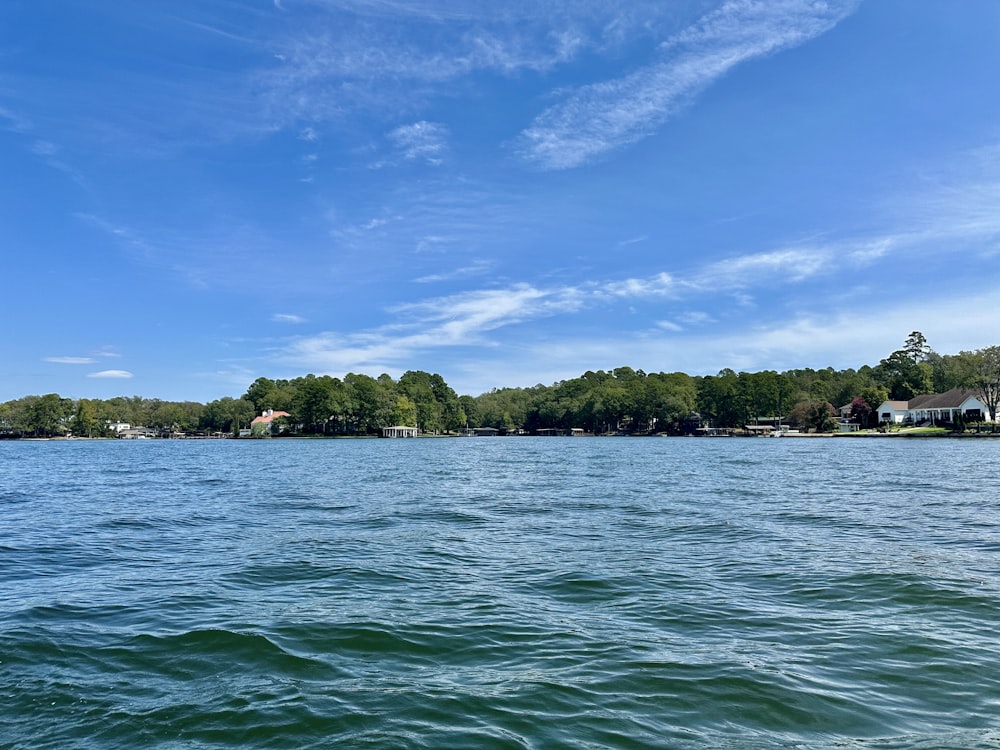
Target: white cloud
{"x":71,"y":360}
{"x":422,"y":140}
{"x":601,"y":117}
{"x":287,"y":318}
{"x":392,"y":57}
{"x":823,"y":339}
{"x":660,"y":285}
{"x":111,"y":374}
{"x":789,"y":264}
{"x":456,"y":320}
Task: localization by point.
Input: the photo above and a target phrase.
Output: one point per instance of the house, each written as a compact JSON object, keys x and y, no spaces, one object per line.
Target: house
{"x":935,"y":408}
{"x":893,"y":412}
{"x":399,"y":431}
{"x":264,"y":424}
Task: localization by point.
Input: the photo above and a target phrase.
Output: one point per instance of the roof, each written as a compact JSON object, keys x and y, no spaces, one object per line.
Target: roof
{"x":270,"y":417}
{"x":897,"y":405}
{"x":949,"y":400}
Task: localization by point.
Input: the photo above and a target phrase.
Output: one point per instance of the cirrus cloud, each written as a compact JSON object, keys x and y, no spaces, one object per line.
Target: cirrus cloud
{"x":71,"y":360}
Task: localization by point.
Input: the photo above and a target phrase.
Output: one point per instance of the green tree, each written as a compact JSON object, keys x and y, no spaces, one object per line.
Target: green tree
{"x":817,"y":415}
{"x":48,"y":415}
{"x":168,"y":415}
{"x":85,"y":420}
{"x":315,"y":402}
{"x":903,"y":377}
{"x":227,"y":414}
{"x":988,"y":379}
{"x":373,"y":402}
{"x":261,"y":394}
{"x":428,"y":411}
{"x":954,"y":370}
{"x":718,"y":400}
{"x":406,"y":411}
{"x":916,"y":347}
{"x":470,"y":408}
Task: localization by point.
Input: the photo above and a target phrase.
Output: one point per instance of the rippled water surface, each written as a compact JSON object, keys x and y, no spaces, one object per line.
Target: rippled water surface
{"x":500,"y":593}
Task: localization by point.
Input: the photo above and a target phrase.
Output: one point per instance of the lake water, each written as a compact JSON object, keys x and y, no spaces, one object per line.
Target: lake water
{"x":500,"y":593}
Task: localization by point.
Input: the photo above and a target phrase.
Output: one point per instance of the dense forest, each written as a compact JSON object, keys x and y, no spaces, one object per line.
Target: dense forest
{"x":601,"y":402}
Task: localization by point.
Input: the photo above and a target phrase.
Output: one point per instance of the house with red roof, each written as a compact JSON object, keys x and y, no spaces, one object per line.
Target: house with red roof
{"x":264,"y":424}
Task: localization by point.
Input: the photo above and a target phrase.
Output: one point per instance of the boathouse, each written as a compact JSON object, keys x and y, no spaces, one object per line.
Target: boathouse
{"x":399,"y":431}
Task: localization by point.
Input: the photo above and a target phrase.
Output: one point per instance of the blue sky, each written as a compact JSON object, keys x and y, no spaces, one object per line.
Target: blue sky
{"x":198,"y":193}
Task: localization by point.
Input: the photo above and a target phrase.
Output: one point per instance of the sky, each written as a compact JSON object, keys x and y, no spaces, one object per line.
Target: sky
{"x":505,"y":192}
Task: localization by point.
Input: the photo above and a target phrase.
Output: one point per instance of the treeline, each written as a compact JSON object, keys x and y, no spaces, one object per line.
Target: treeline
{"x":622,"y":399}
{"x":633,"y":401}
{"x":356,"y":405}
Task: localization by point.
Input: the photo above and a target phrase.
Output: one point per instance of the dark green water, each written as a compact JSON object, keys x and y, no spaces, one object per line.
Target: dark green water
{"x":500,"y":593}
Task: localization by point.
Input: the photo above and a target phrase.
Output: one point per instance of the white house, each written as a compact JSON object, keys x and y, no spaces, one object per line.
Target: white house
{"x":893,"y":412}
{"x":935,"y":408}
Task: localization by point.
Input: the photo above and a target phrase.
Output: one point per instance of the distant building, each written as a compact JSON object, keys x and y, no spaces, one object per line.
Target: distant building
{"x":137,"y":433}
{"x":263,"y":425}
{"x":399,"y":431}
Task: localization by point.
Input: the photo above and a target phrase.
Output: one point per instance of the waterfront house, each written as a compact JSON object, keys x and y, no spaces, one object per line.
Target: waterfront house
{"x":935,"y":408}
{"x":264,"y":424}
{"x":892,"y":412}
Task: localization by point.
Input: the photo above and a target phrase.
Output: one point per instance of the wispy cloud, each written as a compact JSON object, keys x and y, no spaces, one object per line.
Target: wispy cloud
{"x":392,"y":56}
{"x":604,"y":116}
{"x":71,"y":360}
{"x":103,"y":352}
{"x":468,"y":318}
{"x":478,"y":268}
{"x":111,"y":374}
{"x":456,"y":320}
{"x":422,"y":140}
{"x":632,"y":241}
{"x":660,"y":285}
{"x":790,"y":264}
{"x":287,"y":318}
{"x":14,"y":121}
